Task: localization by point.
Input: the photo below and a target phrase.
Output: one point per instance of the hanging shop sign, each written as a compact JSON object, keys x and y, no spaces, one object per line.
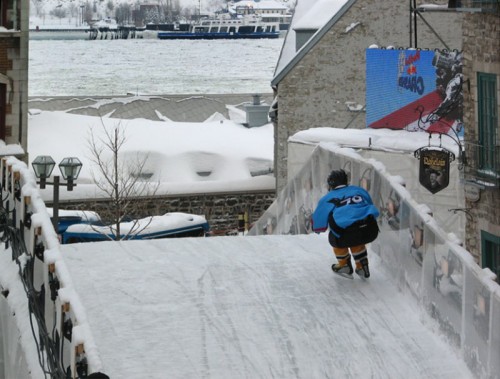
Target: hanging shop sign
{"x":434,"y":172}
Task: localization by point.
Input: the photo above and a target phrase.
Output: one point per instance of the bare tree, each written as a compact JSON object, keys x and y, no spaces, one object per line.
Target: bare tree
{"x":87,"y":12}
{"x":122,"y":179}
{"x":58,"y":12}
{"x":73,"y":10}
{"x":110,"y":7}
{"x":123,"y":13}
{"x":38,"y":7}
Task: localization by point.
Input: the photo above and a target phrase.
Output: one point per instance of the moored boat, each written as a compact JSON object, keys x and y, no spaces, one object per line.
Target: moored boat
{"x":222,"y":28}
{"x":59,"y":33}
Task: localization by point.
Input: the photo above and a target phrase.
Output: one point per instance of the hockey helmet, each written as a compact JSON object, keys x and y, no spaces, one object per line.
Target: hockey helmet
{"x":336,"y":178}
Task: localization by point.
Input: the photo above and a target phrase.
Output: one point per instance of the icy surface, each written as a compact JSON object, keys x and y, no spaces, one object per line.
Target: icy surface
{"x":118,"y":67}
{"x":250,"y":307}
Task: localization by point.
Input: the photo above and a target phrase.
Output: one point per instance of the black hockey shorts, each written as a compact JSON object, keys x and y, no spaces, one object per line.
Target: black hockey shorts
{"x":359,"y":233}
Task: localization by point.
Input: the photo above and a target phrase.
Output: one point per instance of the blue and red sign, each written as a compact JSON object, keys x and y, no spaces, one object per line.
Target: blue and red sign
{"x":415,"y":90}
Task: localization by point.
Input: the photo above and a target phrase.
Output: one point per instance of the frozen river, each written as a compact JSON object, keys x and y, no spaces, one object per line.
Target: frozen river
{"x":137,"y":66}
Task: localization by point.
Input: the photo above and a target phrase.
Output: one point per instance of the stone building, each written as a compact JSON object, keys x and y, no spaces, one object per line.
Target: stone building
{"x":14,"y":25}
{"x":320,"y":82}
{"x":481,"y":46}
{"x":320,"y":77}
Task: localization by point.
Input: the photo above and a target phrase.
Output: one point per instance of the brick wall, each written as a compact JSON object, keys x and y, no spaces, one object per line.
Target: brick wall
{"x":6,"y":46}
{"x":14,"y":53}
{"x":5,"y":62}
{"x":481,"y":54}
{"x":220,"y":210}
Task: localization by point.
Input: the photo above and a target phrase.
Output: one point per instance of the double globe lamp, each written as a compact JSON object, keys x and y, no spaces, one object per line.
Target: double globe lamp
{"x":70,"y":168}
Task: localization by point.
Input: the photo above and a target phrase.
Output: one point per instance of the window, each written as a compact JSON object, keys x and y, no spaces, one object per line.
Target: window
{"x":484,"y":5}
{"x":3,"y":13}
{"x":3,"y":101}
{"x":489,"y":160}
{"x":490,"y":254}
{"x":9,"y":17}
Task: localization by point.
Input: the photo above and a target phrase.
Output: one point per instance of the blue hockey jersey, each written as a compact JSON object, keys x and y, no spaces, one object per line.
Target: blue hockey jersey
{"x":348,"y":204}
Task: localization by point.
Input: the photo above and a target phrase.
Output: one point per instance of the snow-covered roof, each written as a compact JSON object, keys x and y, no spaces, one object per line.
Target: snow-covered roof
{"x":213,"y":156}
{"x":326,"y":11}
{"x":11,"y":149}
{"x":147,"y":225}
{"x":433,"y":6}
{"x":88,"y":216}
{"x":261,"y":5}
{"x":319,"y":14}
{"x":378,"y":139}
{"x":106,"y":23}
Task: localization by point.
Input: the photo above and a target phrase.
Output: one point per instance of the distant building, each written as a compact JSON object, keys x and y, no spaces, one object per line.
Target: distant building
{"x":14,"y":20}
{"x":268,"y":10}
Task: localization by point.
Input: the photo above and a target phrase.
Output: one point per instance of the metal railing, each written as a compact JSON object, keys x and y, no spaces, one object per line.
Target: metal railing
{"x":66,"y":348}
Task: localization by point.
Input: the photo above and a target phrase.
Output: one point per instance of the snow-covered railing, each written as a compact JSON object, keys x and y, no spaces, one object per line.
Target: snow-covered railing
{"x":60,"y":328}
{"x":425,"y":261}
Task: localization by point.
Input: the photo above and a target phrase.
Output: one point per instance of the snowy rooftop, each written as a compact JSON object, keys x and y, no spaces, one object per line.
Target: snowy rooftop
{"x":308,"y":14}
{"x":261,"y":5}
{"x":215,"y":156}
{"x":319,"y":14}
{"x":380,"y":139}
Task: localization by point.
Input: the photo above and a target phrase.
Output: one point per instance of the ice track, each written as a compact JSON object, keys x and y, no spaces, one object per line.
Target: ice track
{"x":250,"y":307}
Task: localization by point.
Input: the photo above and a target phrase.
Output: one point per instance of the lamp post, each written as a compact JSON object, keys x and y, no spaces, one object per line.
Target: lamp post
{"x":81,"y":7}
{"x":70,"y":169}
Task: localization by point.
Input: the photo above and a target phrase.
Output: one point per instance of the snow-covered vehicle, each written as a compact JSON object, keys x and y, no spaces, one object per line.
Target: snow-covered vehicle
{"x":170,"y":225}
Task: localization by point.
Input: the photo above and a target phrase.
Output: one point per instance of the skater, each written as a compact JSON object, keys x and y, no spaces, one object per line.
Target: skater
{"x":348,"y":212}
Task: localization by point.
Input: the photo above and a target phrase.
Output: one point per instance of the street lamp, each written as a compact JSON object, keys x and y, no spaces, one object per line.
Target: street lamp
{"x":43,"y":166}
{"x":70,"y":169}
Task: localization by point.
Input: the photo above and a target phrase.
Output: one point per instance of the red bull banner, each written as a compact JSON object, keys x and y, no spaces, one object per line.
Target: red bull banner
{"x":414,"y":90}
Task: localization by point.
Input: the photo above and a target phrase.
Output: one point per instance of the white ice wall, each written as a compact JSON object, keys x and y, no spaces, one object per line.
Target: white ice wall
{"x":424,"y":259}
{"x":13,"y":362}
{"x":404,"y":164}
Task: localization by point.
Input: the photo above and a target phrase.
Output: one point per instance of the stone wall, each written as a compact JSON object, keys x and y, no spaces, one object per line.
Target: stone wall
{"x":481,"y":33}
{"x":315,"y":92}
{"x":222,"y":210}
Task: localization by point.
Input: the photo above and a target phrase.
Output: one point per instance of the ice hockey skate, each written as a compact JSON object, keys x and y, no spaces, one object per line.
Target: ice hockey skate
{"x":343,"y":270}
{"x":364,"y":270}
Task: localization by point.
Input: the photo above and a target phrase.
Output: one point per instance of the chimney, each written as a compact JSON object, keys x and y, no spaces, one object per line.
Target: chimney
{"x":257,"y":114}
